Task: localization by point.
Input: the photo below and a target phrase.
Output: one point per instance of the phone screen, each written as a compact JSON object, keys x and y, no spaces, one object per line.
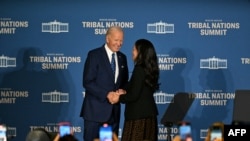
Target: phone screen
{"x":216,"y":134}
{"x":3,"y":130}
{"x":185,"y":132}
{"x":105,"y":133}
{"x":64,"y":128}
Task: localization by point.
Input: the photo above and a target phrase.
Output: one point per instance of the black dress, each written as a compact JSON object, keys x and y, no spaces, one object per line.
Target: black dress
{"x":140,"y":130}
{"x":140,"y":109}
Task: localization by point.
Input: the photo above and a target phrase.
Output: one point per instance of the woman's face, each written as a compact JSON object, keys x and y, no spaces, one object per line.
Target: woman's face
{"x":134,"y":53}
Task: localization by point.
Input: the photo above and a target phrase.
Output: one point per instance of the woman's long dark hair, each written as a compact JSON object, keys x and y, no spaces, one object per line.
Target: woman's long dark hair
{"x":148,"y":60}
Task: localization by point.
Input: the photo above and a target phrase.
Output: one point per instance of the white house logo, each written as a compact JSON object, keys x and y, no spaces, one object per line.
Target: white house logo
{"x":11,"y":131}
{"x":55,"y":97}
{"x":6,"y":61}
{"x":160,"y":28}
{"x":55,"y":27}
{"x":213,"y":63}
{"x":163,"y":98}
{"x":203,"y":133}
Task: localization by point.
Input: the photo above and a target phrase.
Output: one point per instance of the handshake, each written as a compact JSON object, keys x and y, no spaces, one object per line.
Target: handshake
{"x":113,"y":97}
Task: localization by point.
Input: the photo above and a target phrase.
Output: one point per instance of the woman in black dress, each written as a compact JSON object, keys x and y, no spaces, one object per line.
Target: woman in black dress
{"x":140,"y":107}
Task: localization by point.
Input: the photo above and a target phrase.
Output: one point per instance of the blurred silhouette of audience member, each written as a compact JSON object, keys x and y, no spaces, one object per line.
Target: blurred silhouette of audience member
{"x":39,"y":134}
{"x":177,"y":138}
{"x":115,"y":138}
{"x":208,"y":137}
{"x":218,"y":125}
{"x":68,"y":137}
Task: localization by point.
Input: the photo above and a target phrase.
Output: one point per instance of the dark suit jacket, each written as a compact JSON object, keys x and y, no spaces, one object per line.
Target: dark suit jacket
{"x":139,"y":100}
{"x":98,"y":80}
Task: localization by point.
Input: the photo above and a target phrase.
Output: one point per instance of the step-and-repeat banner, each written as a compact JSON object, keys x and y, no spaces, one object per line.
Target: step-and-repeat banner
{"x":203,"y":51}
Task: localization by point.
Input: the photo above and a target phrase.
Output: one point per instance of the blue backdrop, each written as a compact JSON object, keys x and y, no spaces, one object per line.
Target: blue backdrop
{"x":202,"y":45}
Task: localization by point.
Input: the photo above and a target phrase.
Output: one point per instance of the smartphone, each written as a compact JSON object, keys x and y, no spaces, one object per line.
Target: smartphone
{"x":64,"y":128}
{"x":215,"y":133}
{"x":185,"y":131}
{"x":3,"y":130}
{"x":105,"y":132}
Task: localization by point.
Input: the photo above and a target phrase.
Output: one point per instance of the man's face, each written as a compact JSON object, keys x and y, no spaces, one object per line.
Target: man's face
{"x":115,"y":40}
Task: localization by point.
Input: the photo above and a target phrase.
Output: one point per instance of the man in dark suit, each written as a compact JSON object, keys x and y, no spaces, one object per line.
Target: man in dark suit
{"x":99,"y":80}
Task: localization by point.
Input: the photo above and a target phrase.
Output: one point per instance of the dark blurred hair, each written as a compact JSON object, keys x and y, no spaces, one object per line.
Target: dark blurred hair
{"x":38,"y":134}
{"x":68,"y":137}
{"x":148,"y":60}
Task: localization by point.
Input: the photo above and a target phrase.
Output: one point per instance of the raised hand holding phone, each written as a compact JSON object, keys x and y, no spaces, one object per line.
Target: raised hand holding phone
{"x":185,"y":131}
{"x":105,"y":133}
{"x":216,"y":133}
{"x":64,"y":128}
{"x":3,"y":130}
